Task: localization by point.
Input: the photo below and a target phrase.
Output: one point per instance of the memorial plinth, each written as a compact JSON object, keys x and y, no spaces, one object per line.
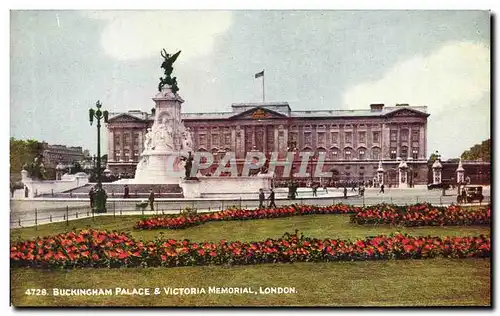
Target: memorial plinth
{"x":166,"y":142}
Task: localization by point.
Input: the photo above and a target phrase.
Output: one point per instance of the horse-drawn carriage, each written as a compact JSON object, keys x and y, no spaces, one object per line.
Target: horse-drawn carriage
{"x":470,"y":194}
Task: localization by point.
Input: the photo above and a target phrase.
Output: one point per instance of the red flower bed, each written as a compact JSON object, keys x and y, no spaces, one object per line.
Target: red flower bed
{"x":184,"y":221}
{"x":422,"y":215}
{"x":90,"y":248}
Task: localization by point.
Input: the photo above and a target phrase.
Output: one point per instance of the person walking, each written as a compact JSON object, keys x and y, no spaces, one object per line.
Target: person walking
{"x":315,"y":189}
{"x":345,"y":192}
{"x":151,"y":199}
{"x":12,"y":190}
{"x":126,"y":192}
{"x":271,"y":199}
{"x":382,"y":188}
{"x":91,"y":197}
{"x":262,"y":197}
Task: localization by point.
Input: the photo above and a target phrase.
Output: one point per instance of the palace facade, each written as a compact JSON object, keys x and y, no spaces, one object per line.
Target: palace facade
{"x":55,"y":154}
{"x":354,"y":141}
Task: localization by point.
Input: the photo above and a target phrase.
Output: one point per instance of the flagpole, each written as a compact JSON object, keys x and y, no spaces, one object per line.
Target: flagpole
{"x":263,"y":87}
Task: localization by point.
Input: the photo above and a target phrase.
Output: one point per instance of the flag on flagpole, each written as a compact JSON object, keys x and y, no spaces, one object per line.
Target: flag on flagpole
{"x":260,"y":74}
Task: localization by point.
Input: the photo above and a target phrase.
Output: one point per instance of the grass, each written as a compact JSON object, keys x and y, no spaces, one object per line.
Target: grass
{"x":433,"y":282}
{"x":320,"y":226}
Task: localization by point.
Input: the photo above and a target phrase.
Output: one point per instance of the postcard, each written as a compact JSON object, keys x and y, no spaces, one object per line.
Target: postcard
{"x":250,"y":158}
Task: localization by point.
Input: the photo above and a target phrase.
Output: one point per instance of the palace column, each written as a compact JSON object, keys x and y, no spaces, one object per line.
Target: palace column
{"x":111,"y":145}
{"x":422,"y":143}
{"x":385,"y":141}
{"x":139,"y":143}
{"x":122,"y":152}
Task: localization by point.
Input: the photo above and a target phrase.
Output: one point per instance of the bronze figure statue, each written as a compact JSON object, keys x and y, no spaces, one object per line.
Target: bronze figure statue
{"x":167,"y":65}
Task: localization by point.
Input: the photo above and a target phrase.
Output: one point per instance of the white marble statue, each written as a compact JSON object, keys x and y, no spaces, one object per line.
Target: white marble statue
{"x":142,"y":163}
{"x":187,"y":140}
{"x":163,"y":134}
{"x":148,"y":144}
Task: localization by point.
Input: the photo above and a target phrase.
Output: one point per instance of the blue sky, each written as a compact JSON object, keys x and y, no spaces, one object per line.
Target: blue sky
{"x":62,"y":62}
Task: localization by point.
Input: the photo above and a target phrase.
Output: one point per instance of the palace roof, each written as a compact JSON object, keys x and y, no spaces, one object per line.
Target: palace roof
{"x":282,"y":110}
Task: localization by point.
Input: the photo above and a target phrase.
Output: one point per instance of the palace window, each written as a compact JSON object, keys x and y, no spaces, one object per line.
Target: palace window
{"x":404,"y":152}
{"x":361,"y":154}
{"x":307,"y":138}
{"x":393,"y":153}
{"x":227,"y":139}
{"x":348,"y":154}
{"x":136,"y":138}
{"x":215,"y":140}
{"x":404,"y":135}
{"x":415,"y":153}
{"x":348,"y":137}
{"x":376,"y":153}
{"x":117,"y":155}
{"x":335,"y":137}
{"x":203,"y":139}
{"x":117,"y":140}
{"x":415,"y":135}
{"x":136,"y":155}
{"x":126,"y":139}
{"x":376,"y":137}
{"x":362,"y":137}
{"x":321,"y":139}
{"x":335,"y":154}
{"x":126,"y":153}
{"x":394,"y":136}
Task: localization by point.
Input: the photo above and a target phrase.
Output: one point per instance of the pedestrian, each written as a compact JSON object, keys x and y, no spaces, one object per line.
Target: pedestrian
{"x":91,"y":197}
{"x":126,"y":191}
{"x":26,"y":191}
{"x":353,"y":187}
{"x":315,"y":189}
{"x":381,"y":188}
{"x":12,"y":190}
{"x":345,"y":192}
{"x":271,"y":199}
{"x":262,"y":197}
{"x":325,"y":188}
{"x":151,"y":199}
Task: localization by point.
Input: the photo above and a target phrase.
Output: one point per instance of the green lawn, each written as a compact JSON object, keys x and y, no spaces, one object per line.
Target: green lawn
{"x":430,"y":282}
{"x":320,"y":226}
{"x":379,"y":283}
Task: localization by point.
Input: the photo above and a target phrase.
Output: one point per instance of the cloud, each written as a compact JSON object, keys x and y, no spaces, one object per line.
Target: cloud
{"x":451,"y":80}
{"x":132,"y":35}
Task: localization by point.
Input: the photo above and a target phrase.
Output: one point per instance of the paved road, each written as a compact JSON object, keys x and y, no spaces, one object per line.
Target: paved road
{"x":26,"y":213}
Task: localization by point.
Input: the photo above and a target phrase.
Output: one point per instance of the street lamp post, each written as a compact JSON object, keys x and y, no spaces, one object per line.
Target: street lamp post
{"x":100,"y":194}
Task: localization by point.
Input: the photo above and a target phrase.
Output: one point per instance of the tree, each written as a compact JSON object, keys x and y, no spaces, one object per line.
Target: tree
{"x":478,"y":152}
{"x":433,"y":157}
{"x":23,"y":152}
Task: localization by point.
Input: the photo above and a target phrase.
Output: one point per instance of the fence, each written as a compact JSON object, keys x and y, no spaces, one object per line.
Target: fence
{"x":121,"y":207}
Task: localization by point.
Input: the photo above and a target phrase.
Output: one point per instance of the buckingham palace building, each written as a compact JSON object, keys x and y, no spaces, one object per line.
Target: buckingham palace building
{"x":355,"y":142}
